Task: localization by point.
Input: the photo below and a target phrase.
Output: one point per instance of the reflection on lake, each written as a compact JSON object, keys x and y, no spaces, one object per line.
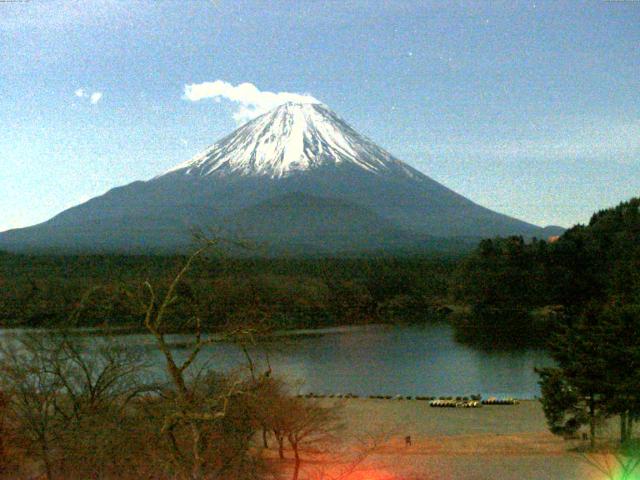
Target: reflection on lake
{"x":378,"y":360}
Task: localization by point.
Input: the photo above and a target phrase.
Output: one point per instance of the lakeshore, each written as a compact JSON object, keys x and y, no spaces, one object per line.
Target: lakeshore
{"x":505,"y":441}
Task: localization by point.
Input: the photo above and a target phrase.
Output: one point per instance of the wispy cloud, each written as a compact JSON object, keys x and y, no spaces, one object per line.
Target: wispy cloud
{"x":565,"y":139}
{"x":251,"y":101}
{"x":93,"y":98}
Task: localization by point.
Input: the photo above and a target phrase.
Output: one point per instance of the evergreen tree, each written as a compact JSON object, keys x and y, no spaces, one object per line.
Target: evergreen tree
{"x":598,"y":372}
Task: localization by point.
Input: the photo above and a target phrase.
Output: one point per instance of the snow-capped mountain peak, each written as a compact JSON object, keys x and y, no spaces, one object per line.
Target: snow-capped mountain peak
{"x":291,"y":138}
{"x":297,"y":178}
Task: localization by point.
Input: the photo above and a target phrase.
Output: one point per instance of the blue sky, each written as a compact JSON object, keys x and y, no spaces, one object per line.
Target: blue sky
{"x":529,"y":108}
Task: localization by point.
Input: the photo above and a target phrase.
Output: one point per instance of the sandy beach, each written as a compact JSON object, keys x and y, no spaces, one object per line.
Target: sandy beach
{"x":505,"y":442}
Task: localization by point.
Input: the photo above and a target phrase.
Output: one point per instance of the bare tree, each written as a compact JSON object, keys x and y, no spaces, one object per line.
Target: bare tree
{"x":56,"y":387}
{"x":299,"y":422}
{"x":192,"y":410}
{"x":302,"y":423}
{"x":316,"y":436}
{"x":272,"y":413}
{"x":33,"y":393}
{"x":83,"y":410}
{"x":310,"y":423}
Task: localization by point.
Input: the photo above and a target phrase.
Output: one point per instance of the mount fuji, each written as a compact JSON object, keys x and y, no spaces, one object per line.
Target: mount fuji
{"x":297,"y":178}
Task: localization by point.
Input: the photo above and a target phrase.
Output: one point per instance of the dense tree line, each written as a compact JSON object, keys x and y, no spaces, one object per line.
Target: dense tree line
{"x":507,"y":286}
{"x":524,"y":291}
{"x":99,"y":289}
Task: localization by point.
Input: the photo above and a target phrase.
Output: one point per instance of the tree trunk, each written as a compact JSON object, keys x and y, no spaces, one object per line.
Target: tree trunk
{"x":47,"y":463}
{"x":44,"y":451}
{"x":48,"y":470}
{"x":3,"y":459}
{"x":296,"y":456}
{"x":629,"y":426}
{"x":623,"y":428}
{"x":592,"y":422}
{"x":197,"y":473}
{"x":280,"y":440}
{"x":265,"y":444}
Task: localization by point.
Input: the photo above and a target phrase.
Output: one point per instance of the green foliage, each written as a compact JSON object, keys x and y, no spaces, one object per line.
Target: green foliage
{"x":598,"y":358}
{"x":616,"y":329}
{"x":506,"y":282}
{"x":560,"y":403}
{"x":506,"y":279}
{"x":602,"y":258}
{"x":503,"y":272}
{"x":487,"y":326}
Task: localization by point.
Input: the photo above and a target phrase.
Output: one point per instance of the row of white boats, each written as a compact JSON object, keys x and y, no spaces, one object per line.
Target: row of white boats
{"x":443,"y":402}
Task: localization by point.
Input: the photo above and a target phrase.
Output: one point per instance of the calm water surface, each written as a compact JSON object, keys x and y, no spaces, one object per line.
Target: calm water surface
{"x":387,"y":360}
{"x":377,"y":360}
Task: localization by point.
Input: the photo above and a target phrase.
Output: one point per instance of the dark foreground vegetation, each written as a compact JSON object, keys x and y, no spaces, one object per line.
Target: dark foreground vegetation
{"x":74,"y":407}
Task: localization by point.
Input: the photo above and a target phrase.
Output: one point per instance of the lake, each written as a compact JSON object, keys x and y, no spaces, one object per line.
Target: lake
{"x":378,"y":360}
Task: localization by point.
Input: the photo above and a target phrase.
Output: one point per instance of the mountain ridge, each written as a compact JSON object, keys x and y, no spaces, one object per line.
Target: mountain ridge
{"x":302,"y":149}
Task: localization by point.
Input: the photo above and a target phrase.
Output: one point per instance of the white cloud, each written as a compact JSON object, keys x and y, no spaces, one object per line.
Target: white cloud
{"x":251,"y":101}
{"x":95,"y":97}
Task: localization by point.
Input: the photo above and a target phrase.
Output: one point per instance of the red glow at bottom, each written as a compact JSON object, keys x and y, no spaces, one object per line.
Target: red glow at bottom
{"x":372,"y":474}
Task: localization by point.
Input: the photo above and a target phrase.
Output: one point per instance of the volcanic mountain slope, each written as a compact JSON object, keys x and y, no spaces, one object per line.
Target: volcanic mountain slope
{"x":297,"y":176}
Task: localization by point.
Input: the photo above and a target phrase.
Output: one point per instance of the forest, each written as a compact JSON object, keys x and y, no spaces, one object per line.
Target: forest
{"x":508,"y":292}
{"x":517,"y":290}
{"x":39,"y":291}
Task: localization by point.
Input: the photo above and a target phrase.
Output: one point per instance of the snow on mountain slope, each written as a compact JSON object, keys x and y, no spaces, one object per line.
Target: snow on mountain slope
{"x":291,"y":138}
{"x":297,"y":176}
